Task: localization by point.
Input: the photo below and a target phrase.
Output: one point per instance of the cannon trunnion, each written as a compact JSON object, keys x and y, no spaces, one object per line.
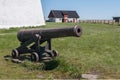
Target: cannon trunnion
{"x":32,"y":39}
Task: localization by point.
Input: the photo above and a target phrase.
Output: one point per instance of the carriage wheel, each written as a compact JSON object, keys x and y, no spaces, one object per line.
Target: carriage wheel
{"x":15,"y":53}
{"x":52,"y":53}
{"x":55,"y":53}
{"x":34,"y":57}
{"x":47,"y":59}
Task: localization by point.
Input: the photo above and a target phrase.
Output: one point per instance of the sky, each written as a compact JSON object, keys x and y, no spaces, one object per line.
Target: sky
{"x":87,"y":9}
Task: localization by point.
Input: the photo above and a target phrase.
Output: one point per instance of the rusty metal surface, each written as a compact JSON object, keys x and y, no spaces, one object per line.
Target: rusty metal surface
{"x":25,"y":35}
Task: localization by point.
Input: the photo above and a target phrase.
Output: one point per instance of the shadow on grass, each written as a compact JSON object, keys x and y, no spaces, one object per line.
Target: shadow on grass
{"x":66,"y":69}
{"x":25,"y":61}
{"x":51,"y":65}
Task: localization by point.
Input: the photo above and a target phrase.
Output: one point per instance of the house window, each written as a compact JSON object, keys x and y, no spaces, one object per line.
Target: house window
{"x":60,"y":19}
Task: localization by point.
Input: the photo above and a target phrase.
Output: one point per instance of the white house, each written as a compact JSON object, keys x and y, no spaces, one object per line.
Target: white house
{"x":19,"y":13}
{"x":63,"y":16}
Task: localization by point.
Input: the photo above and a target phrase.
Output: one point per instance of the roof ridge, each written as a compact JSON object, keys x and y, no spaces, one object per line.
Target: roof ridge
{"x":63,"y":10}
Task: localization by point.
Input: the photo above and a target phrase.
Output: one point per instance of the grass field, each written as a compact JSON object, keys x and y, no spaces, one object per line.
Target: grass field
{"x":97,"y":51}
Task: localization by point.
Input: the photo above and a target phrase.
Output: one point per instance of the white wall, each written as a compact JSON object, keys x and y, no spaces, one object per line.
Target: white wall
{"x":17,"y":13}
{"x":58,"y":19}
{"x":78,"y":19}
{"x":71,"y":20}
{"x":55,"y":19}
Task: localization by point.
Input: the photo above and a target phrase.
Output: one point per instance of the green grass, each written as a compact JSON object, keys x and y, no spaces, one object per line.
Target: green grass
{"x":96,"y":52}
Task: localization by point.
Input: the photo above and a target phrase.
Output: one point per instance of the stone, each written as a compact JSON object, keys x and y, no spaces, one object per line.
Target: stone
{"x":89,"y":76}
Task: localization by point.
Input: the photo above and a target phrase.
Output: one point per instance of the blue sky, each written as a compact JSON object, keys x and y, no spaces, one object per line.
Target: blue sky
{"x":87,"y":9}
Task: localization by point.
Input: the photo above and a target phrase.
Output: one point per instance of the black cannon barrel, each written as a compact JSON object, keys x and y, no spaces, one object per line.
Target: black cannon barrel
{"x":25,"y":35}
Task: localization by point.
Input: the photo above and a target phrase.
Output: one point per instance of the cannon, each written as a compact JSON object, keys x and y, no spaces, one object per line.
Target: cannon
{"x":31,"y":41}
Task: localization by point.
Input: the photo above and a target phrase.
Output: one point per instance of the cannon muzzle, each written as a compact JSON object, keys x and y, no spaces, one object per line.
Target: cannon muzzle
{"x":25,"y":35}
